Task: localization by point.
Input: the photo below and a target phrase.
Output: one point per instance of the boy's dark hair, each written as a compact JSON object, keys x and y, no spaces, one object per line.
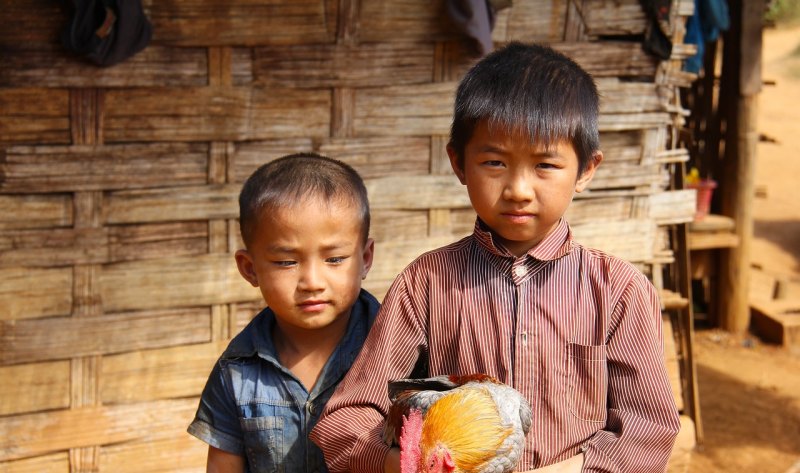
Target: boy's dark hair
{"x":530,"y":89}
{"x":287,"y":180}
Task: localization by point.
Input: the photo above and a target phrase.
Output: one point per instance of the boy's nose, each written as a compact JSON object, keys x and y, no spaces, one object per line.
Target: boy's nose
{"x":519,"y":187}
{"x":311,"y":277}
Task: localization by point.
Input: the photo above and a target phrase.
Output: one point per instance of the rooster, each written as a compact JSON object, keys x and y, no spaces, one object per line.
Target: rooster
{"x":457,"y":424}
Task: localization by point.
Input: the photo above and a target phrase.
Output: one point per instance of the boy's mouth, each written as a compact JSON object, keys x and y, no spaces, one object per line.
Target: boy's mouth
{"x":313,"y":305}
{"x":518,"y":217}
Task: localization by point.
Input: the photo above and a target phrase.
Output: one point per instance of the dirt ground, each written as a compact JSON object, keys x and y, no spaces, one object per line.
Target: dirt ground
{"x":749,"y":390}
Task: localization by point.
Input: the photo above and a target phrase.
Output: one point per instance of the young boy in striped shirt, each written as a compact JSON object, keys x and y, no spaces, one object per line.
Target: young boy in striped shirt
{"x":577,"y":331}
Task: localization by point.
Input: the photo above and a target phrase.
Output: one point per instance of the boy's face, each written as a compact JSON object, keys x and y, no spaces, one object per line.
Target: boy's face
{"x":308,"y":260}
{"x":519,"y":189}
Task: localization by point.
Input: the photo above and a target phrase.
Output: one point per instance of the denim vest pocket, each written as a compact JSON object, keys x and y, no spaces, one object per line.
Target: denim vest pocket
{"x":263,"y":441}
{"x":588,"y":382}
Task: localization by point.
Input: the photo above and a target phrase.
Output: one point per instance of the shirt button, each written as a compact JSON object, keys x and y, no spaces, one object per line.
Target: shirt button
{"x":520,"y":271}
{"x":310,"y":407}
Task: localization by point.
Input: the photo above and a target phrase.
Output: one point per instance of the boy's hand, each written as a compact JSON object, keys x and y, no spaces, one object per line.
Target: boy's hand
{"x":570,"y":465}
{"x":391,"y":464}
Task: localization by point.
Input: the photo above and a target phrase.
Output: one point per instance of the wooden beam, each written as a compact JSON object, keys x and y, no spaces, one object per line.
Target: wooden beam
{"x":163,"y":373}
{"x":46,"y":432}
{"x":47,"y":65}
{"x":541,"y":21}
{"x":423,"y":109}
{"x":34,"y":169}
{"x":54,"y":463}
{"x":242,"y":22}
{"x":740,"y":161}
{"x":247,"y":156}
{"x":407,"y":21}
{"x":343,"y":65}
{"x":686,"y":326}
{"x":35,"y":211}
{"x":34,"y":387}
{"x":34,"y":115}
{"x":23,"y":341}
{"x":214,"y":114}
{"x":172,"y":282}
{"x":157,"y":456}
{"x":630,"y":239}
{"x":378,"y":156}
{"x":51,"y":295}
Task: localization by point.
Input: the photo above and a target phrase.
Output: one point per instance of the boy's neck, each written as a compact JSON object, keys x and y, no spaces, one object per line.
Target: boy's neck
{"x":500,"y":243}
{"x":305,"y":352}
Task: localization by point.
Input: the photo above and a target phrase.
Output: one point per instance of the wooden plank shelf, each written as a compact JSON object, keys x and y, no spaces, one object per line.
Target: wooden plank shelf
{"x":711,"y":232}
{"x":671,"y":300}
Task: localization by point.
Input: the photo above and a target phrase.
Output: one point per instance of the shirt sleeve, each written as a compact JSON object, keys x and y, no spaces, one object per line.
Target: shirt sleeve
{"x":642,"y":419}
{"x":350,"y":429}
{"x":217,"y":420}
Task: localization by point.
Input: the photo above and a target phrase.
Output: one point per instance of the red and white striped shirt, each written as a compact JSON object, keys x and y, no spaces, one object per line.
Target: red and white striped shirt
{"x":577,"y":331}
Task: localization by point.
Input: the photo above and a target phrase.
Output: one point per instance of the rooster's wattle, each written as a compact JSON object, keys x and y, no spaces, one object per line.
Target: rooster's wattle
{"x":457,"y":424}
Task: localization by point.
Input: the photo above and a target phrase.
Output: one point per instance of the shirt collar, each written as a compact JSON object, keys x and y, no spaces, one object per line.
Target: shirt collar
{"x":555,"y":245}
{"x":256,"y":339}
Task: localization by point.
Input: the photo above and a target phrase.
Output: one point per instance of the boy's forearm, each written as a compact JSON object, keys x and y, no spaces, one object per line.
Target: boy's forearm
{"x":220,"y":461}
{"x":350,"y":439}
{"x":570,"y":465}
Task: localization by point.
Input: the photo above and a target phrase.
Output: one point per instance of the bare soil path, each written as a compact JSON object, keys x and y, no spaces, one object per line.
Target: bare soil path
{"x":750,"y":391}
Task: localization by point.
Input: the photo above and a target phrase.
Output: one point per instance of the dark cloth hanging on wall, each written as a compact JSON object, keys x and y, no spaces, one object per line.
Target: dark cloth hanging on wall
{"x":709,"y":19}
{"x":657,"y":33}
{"x":107,"y":32}
{"x":475,"y":18}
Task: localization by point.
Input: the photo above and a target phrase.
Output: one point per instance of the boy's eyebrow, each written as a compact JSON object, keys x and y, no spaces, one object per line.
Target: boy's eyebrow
{"x":547,"y":154}
{"x":489,"y":148}
{"x":280,"y":249}
{"x":291,"y":249}
{"x":336,"y":245}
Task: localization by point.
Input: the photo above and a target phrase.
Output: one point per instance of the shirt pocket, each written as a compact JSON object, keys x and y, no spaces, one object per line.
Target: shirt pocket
{"x":588,"y":382}
{"x":264,"y":443}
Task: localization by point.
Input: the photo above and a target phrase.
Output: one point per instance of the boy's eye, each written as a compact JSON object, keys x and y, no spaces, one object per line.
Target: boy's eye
{"x":284,"y":263}
{"x":336,"y":259}
{"x":493,"y":163}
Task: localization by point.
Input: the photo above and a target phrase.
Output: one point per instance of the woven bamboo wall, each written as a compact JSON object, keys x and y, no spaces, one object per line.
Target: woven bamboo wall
{"x":118,"y":188}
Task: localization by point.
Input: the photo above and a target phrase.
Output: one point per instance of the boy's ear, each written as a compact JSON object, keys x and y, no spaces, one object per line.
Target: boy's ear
{"x":246,"y":268}
{"x":367,"y":257}
{"x":451,"y":152}
{"x":588,"y":173}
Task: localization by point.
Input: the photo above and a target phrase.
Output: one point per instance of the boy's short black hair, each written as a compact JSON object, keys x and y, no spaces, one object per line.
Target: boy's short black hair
{"x":287,"y":180}
{"x":530,"y":89}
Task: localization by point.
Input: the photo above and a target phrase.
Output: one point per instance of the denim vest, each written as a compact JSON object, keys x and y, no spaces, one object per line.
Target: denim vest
{"x":254,"y":407}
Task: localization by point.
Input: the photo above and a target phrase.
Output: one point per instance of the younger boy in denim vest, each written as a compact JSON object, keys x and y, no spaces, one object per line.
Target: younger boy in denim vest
{"x":304,"y":220}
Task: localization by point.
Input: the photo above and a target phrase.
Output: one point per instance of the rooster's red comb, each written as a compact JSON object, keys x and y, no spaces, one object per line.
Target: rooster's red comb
{"x":410,"y":435}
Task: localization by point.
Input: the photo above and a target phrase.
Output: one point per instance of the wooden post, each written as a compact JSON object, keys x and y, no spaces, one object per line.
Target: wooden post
{"x":738,"y":185}
{"x":85,"y":111}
